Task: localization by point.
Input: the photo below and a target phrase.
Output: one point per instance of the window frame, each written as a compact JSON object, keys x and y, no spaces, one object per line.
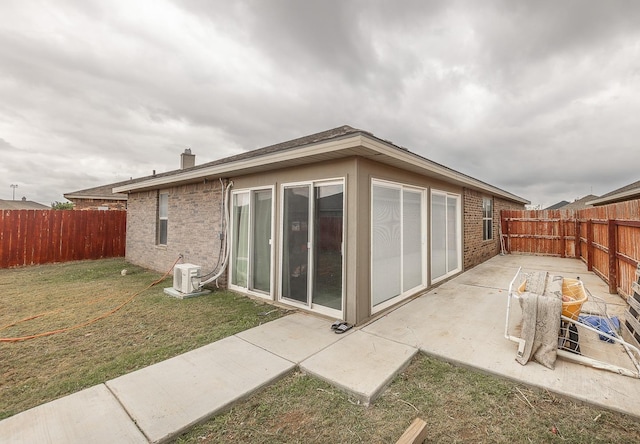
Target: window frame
{"x":309,"y":304}
{"x":404,"y":292}
{"x":459,"y":235}
{"x":249,"y":288}
{"x":162,"y":223}
{"x":487,"y":219}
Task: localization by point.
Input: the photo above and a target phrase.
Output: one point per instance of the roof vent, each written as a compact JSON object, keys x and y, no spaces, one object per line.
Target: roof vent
{"x":187,"y":160}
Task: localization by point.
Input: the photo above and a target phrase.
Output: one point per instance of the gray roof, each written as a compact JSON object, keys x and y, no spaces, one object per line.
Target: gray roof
{"x":101,"y":192}
{"x":334,"y":133}
{"x":316,"y":147}
{"x":22,"y":205}
{"x":627,"y":192}
{"x":579,"y":204}
{"x":558,"y":205}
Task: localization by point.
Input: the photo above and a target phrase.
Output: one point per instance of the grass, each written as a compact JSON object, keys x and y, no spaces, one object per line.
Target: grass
{"x":459,"y":405}
{"x":149,"y":329}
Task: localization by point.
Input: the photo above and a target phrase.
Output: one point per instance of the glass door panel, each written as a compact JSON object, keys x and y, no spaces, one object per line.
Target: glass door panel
{"x":240,"y":241}
{"x":452,"y":234}
{"x":438,"y":236}
{"x":261,"y":263}
{"x":411,"y":239}
{"x":445,"y":238}
{"x":295,"y":243}
{"x":386,"y":244}
{"x":328,"y":226}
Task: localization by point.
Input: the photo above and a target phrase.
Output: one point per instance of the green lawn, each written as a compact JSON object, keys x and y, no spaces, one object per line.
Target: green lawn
{"x":149,"y":329}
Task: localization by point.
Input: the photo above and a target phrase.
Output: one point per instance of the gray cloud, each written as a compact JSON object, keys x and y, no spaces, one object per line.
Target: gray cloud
{"x":538,"y":98}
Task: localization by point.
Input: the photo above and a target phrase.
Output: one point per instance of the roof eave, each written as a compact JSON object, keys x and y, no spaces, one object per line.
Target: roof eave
{"x":95,"y":197}
{"x":625,"y":195}
{"x":245,"y":165}
{"x":440,"y":170}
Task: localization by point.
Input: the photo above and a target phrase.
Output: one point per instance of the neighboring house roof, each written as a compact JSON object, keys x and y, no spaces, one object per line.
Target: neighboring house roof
{"x":101,"y":192}
{"x":558,"y":205}
{"x":336,"y":143}
{"x":23,"y":204}
{"x":579,"y":204}
{"x":627,"y":192}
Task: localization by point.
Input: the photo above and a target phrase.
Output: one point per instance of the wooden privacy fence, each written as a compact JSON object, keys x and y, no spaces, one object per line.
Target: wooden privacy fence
{"x":29,"y":237}
{"x":606,"y":238}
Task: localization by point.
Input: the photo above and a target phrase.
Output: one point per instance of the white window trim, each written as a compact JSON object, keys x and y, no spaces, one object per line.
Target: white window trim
{"x":490,"y":218}
{"x":310,"y":306}
{"x":246,"y":290}
{"x":425,"y":257}
{"x":458,"y":268}
{"x":161,"y":218}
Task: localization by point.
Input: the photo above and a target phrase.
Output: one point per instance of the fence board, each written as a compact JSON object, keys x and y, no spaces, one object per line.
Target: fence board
{"x":29,"y":237}
{"x":606,"y":238}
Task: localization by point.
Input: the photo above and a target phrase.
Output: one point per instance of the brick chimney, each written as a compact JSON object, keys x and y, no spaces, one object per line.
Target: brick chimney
{"x":187,"y":160}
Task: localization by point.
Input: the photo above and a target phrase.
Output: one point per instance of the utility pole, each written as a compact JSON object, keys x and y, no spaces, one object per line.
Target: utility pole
{"x":14,"y":186}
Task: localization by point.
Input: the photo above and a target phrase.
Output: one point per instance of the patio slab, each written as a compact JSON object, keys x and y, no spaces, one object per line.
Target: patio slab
{"x":294,"y":337}
{"x":92,"y":416}
{"x":167,"y":398}
{"x":360,"y":364}
{"x":464,"y":324}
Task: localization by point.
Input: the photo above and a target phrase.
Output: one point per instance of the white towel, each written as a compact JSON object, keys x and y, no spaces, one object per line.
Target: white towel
{"x":540,"y":326}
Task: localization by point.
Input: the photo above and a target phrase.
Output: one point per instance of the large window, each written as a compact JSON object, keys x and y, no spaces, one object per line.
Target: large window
{"x":397,"y":245}
{"x":487,"y":219}
{"x":250,"y":264}
{"x":163,"y":218}
{"x":445,"y":235}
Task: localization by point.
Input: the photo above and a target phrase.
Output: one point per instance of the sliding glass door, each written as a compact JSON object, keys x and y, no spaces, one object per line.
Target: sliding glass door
{"x":397,"y":242}
{"x":445,"y":235}
{"x":250,"y":263}
{"x":295,"y":243}
{"x":312,"y":239}
{"x":327,"y":249}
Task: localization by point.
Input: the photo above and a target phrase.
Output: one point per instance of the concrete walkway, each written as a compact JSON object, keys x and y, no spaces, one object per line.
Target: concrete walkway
{"x":461,"y":321}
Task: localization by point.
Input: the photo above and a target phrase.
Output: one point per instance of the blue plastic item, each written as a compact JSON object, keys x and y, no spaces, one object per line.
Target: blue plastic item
{"x":601,"y":324}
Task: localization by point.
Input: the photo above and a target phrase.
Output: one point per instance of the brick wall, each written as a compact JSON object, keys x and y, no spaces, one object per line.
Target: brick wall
{"x":477,"y":250}
{"x":193,"y":230}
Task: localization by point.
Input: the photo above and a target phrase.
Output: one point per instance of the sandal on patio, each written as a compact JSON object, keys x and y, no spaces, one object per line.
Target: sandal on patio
{"x":342,"y":328}
{"x":337,"y":324}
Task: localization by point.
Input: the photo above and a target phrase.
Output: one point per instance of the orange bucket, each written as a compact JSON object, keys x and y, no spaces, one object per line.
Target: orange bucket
{"x":572,"y":289}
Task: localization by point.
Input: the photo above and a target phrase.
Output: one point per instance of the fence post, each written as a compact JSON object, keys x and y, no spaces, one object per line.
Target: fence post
{"x":613,"y":281}
{"x":589,"y":245}
{"x":507,"y":232}
{"x":563,"y":241}
{"x":577,"y":248}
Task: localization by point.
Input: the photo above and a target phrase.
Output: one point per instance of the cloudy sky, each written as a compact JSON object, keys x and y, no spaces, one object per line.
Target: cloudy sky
{"x":540,"y":98}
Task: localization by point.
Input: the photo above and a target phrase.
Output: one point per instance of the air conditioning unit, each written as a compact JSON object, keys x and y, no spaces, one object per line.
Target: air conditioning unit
{"x":186,"y":278}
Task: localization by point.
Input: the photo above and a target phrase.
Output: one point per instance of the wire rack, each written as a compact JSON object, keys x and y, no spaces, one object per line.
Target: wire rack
{"x":590,"y":335}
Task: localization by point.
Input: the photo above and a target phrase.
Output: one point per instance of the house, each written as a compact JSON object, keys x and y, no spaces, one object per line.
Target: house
{"x":340,"y":223}
{"x":627,"y":192}
{"x":98,"y":198}
{"x":558,"y":205}
{"x":22,"y":204}
{"x":580,"y":204}
{"x":103,"y":197}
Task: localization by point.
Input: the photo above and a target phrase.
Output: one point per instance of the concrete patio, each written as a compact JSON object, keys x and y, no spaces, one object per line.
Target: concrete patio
{"x":461,"y":321}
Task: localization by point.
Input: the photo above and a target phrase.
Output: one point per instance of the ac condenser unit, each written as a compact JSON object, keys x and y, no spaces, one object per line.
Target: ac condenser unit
{"x":186,"y":278}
